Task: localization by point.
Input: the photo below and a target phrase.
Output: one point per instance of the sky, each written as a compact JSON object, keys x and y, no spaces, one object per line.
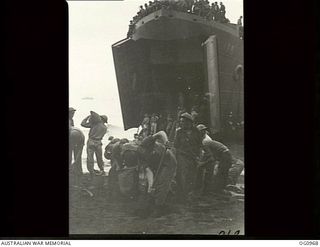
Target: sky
{"x":93,"y":27}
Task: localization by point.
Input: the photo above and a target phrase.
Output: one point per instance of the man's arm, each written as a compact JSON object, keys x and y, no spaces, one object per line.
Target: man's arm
{"x":207,"y":157}
{"x":85,"y":122}
{"x":176,"y":143}
{"x":171,"y":160}
{"x":150,"y":178}
{"x":161,"y":136}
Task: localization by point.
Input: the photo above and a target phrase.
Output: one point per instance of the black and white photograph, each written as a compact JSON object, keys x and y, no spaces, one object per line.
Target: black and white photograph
{"x":160,"y":120}
{"x":156,"y":117}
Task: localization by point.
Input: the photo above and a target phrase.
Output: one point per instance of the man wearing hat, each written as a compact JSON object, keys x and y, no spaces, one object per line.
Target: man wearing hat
{"x":98,"y":129}
{"x":71,"y":114}
{"x":187,"y":143}
{"x":216,"y":151}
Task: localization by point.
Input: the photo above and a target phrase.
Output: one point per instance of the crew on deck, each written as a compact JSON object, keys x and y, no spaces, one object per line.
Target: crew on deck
{"x":197,"y":7}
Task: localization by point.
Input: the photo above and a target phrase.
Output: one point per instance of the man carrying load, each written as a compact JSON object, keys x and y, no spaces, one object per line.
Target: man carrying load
{"x":160,"y":160}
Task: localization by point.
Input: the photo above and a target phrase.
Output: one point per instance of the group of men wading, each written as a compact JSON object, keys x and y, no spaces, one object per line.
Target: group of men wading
{"x":152,"y":166}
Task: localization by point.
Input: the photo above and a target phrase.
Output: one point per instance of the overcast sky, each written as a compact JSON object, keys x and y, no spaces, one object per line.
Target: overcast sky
{"x":93,"y":27}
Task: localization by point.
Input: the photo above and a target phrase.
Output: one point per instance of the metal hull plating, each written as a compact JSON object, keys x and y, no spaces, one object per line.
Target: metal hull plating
{"x":166,"y":55}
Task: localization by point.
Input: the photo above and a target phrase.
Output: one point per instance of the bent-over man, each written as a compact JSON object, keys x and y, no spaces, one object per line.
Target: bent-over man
{"x":218,"y":152}
{"x":114,"y":148}
{"x":76,"y":143}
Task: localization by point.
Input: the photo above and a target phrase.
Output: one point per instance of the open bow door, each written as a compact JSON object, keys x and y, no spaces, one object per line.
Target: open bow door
{"x":126,"y":55}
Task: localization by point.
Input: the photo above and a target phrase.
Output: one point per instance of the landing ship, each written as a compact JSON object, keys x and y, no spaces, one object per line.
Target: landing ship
{"x":172,"y":53}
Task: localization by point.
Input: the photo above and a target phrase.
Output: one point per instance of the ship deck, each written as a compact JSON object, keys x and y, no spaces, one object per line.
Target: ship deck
{"x":166,"y":24}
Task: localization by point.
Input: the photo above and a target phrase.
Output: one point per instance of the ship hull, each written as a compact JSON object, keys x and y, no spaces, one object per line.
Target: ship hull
{"x":166,"y":56}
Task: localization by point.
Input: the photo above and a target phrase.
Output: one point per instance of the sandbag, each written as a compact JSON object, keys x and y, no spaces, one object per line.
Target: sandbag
{"x":235,"y":171}
{"x":128,"y":181}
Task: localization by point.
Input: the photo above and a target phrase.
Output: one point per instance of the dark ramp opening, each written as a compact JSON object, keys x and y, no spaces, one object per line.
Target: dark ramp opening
{"x":160,"y":93}
{"x":151,"y":74}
